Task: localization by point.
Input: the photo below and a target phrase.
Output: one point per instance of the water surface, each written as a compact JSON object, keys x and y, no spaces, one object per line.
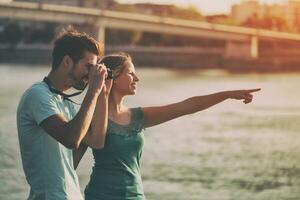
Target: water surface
{"x":230,"y":151}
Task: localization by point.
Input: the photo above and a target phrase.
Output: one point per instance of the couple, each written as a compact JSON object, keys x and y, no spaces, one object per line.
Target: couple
{"x":53,"y":137}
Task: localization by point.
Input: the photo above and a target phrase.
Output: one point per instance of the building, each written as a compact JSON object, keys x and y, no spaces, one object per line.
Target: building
{"x":293,"y":14}
{"x":241,"y":12}
{"x":288,"y":12}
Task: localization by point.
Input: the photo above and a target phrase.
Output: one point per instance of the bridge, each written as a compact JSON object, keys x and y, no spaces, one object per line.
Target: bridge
{"x":241,"y":42}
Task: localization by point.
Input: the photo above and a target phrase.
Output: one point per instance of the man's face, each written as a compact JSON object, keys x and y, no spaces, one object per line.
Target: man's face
{"x":79,"y":74}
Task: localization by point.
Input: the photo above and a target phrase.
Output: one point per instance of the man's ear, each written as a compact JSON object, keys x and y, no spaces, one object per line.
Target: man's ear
{"x":67,"y":62}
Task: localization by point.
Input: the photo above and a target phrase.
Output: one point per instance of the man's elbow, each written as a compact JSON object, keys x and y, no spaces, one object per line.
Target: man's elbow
{"x":72,"y":144}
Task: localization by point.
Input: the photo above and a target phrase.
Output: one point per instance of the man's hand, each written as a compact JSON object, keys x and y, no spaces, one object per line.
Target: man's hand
{"x":97,"y":76}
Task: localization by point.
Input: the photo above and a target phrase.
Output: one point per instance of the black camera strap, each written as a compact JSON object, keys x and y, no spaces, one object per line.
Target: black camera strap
{"x":65,"y":96}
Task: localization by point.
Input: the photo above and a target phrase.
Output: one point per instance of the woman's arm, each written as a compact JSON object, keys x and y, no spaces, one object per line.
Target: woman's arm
{"x":95,"y":138}
{"x":161,"y":114}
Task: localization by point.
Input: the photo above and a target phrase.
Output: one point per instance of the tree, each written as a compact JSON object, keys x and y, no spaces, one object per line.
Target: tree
{"x":12,"y":34}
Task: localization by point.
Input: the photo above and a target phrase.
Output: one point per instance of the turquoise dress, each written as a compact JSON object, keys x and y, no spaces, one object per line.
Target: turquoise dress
{"x":116,"y":172}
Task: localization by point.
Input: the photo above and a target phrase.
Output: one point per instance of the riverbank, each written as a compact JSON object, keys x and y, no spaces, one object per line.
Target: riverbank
{"x":173,"y":57}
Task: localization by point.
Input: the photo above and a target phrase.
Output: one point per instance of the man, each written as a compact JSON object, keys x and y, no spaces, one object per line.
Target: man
{"x":49,"y":128}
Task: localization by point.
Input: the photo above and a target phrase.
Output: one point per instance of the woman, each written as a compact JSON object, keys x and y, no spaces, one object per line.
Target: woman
{"x":116,"y":173}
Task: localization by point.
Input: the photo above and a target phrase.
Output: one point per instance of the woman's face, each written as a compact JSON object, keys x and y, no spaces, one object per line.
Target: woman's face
{"x":126,"y":82}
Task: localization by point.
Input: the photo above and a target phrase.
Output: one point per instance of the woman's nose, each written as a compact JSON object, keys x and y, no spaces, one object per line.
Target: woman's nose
{"x":136,"y":78}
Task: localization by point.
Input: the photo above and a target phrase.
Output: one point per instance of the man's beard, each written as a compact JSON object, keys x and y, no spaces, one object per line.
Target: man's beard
{"x":79,"y":84}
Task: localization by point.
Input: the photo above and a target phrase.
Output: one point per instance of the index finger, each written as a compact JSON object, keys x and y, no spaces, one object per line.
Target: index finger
{"x":101,"y":65}
{"x":253,"y":90}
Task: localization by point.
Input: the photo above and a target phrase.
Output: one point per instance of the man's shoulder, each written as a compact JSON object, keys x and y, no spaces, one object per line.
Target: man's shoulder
{"x":37,"y":102}
{"x":38,"y":88}
{"x":35,"y":92}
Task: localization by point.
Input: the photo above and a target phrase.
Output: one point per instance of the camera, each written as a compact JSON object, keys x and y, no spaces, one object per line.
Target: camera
{"x":109,"y":74}
{"x":109,"y":71}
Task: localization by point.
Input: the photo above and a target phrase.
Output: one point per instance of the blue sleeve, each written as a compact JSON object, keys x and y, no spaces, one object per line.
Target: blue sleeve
{"x":42,"y":104}
{"x":72,"y":108}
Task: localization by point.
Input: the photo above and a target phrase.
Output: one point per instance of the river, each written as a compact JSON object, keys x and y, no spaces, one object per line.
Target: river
{"x":231,"y":151}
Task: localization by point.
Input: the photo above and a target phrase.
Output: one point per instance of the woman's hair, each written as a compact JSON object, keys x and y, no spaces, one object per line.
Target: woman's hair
{"x":116,"y":62}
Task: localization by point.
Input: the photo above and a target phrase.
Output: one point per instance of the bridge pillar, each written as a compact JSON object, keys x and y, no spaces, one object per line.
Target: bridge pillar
{"x":101,"y":32}
{"x":254,"y":47}
{"x":242,"y":50}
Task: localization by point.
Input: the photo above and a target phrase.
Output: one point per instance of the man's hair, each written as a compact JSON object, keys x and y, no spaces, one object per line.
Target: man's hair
{"x":74,"y":44}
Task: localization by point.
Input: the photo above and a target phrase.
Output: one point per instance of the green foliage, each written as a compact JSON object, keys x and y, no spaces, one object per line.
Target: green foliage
{"x":267,"y":22}
{"x":172,"y":11}
{"x":12,"y":34}
{"x":43,"y":34}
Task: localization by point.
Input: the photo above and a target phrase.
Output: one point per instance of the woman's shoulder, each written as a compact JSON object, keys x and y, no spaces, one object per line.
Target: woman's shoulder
{"x":136,"y":112}
{"x":137,"y":118}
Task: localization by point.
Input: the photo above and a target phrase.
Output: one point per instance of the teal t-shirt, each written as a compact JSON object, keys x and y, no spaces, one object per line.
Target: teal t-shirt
{"x":116,"y":172}
{"x":48,"y":165}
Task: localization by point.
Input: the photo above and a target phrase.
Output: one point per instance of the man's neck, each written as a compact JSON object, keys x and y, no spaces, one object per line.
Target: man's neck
{"x":58,"y":81}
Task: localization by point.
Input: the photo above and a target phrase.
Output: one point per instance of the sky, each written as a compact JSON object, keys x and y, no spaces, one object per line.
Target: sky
{"x":5,"y":1}
{"x":206,"y":7}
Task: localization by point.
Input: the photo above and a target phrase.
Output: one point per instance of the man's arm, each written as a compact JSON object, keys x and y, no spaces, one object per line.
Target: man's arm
{"x":71,"y":133}
{"x":78,"y":154}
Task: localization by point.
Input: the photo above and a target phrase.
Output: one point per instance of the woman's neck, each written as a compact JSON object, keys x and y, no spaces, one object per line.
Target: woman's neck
{"x":115,"y":104}
{"x":117,"y":111}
